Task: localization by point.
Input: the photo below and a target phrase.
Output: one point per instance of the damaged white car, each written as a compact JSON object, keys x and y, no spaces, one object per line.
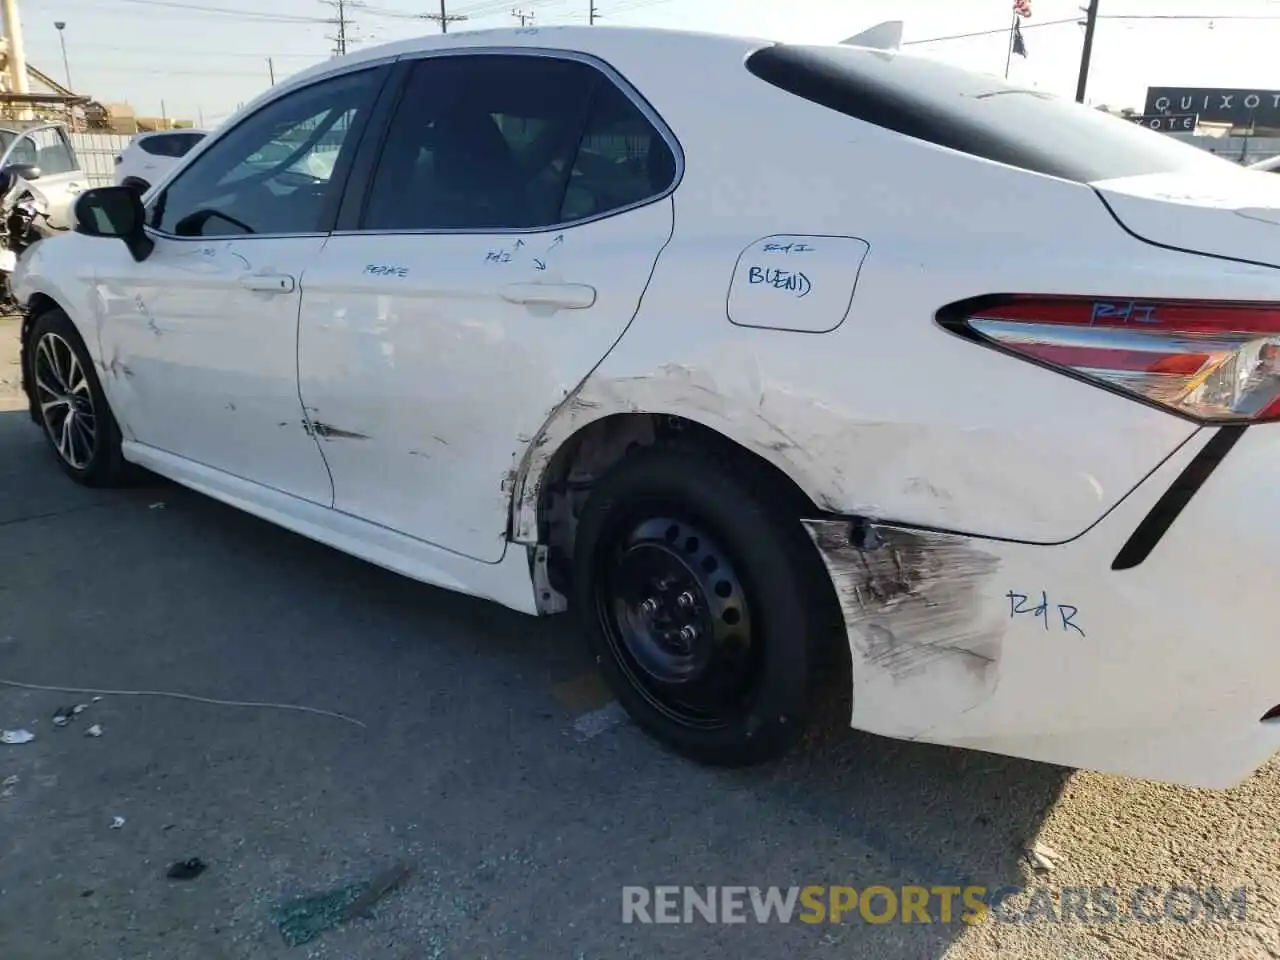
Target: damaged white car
{"x":775,"y":364}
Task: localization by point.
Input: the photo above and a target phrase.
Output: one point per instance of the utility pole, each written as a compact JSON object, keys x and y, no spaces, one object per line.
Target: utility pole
{"x":342,"y":21}
{"x":444,"y":17}
{"x":271,"y":70}
{"x":524,"y":18}
{"x":1087,"y":53}
{"x":591,"y":12}
{"x":60,"y":26}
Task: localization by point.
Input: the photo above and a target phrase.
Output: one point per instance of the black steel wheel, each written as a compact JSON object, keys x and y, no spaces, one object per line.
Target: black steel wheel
{"x":69,"y":403}
{"x":677,"y":619}
{"x":700,"y":595}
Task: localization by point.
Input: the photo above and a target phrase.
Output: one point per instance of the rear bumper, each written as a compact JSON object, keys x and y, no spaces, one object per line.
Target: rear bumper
{"x":1162,"y":670}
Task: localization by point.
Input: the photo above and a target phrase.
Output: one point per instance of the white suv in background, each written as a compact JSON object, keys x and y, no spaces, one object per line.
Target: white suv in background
{"x":150,"y":156}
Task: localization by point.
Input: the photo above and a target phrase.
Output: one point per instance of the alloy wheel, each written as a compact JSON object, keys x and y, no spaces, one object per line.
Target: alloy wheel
{"x":66,"y":401}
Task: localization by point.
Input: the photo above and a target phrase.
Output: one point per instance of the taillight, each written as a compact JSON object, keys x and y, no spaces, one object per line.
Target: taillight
{"x":1213,"y":361}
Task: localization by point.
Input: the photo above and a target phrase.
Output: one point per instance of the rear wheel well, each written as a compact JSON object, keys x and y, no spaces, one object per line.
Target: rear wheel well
{"x":599,"y":446}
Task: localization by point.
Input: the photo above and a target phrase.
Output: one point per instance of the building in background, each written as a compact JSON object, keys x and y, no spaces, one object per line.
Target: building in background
{"x":47,"y":100}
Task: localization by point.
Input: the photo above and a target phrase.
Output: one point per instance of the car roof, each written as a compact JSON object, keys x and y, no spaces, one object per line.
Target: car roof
{"x":577,"y":39}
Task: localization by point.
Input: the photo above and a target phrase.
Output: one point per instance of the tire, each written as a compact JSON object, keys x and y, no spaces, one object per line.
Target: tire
{"x":65,"y":387}
{"x":673,"y":522}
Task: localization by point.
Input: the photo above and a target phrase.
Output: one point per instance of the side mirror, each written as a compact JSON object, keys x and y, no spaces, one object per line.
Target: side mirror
{"x":114,"y":212}
{"x":27,"y":171}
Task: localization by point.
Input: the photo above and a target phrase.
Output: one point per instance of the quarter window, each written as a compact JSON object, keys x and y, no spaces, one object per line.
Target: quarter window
{"x":503,"y":141}
{"x":278,"y":171}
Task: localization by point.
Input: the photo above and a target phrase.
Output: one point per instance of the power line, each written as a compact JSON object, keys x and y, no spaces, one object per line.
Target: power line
{"x":1080,"y":20}
{"x":444,"y":17}
{"x":228,"y":11}
{"x":992,"y":32}
{"x":341,"y":21}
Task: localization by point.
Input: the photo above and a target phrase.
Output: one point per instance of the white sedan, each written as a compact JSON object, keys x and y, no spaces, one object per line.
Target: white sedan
{"x":775,"y":364}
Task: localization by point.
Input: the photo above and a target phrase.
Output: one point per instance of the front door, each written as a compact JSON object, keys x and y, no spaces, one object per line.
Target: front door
{"x":199,"y":340}
{"x":61,"y":180}
{"x":512,"y":222}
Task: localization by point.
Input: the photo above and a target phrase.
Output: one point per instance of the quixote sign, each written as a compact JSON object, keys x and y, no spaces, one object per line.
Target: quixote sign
{"x":1241,"y":108}
{"x":1182,"y":122}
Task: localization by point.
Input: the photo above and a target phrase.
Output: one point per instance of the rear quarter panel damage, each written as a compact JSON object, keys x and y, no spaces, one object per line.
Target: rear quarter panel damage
{"x":926,"y":642}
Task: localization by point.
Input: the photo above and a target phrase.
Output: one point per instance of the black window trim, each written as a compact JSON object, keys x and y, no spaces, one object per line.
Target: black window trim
{"x":365,"y":163}
{"x":382,"y":66}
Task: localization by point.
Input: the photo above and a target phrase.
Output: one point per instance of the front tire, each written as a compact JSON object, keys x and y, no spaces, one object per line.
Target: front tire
{"x":701,"y":597}
{"x":70,"y":404}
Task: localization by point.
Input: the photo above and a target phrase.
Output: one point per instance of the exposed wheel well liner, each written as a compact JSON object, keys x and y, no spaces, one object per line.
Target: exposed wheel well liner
{"x":598,"y":446}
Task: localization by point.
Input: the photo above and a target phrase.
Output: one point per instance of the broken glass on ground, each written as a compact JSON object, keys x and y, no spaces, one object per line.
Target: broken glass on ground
{"x":302,"y":920}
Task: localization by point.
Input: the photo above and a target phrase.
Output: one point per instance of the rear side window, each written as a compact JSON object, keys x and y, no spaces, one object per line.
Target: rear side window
{"x":170,"y":144}
{"x":976,"y":114}
{"x":157,"y":146}
{"x":509,"y":141}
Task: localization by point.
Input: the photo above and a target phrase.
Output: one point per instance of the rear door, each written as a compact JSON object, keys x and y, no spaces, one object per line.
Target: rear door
{"x":514,"y":214}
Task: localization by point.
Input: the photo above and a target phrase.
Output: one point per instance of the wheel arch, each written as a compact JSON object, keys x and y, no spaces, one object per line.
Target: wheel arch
{"x":582,"y":442}
{"x":37,"y":305}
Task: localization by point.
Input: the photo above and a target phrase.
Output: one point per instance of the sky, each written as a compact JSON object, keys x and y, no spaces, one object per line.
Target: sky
{"x":199,"y":59}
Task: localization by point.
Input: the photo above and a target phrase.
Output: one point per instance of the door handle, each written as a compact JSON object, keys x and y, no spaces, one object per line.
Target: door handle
{"x":567,"y":296}
{"x":269,"y":282}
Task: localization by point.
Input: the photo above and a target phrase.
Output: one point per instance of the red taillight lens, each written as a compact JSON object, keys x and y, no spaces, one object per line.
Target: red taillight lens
{"x":1209,"y":360}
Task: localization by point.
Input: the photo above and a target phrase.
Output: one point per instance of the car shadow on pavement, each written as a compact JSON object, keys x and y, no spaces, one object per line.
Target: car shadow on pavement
{"x":525,"y":824}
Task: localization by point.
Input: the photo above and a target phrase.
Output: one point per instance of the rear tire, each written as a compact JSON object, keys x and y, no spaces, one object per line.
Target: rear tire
{"x":702,"y":599}
{"x":70,"y":404}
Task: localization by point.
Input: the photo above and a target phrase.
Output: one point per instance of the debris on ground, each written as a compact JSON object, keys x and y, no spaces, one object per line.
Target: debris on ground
{"x":94,"y":731}
{"x":117,"y":823}
{"x":8,"y":784}
{"x":78,"y":709}
{"x":1044,"y":858}
{"x":63,"y":715}
{"x":15,"y":737}
{"x":186,"y":869}
{"x":158,"y":505}
{"x":302,"y":920}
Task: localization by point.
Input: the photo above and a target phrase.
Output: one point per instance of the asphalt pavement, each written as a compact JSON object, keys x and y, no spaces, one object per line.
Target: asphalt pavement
{"x":476,"y":746}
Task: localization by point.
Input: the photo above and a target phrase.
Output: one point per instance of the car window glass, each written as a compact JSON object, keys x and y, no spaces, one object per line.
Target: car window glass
{"x":975,"y":113}
{"x":53,"y":156}
{"x":481,"y":142}
{"x":183,"y":142}
{"x":24,"y":151}
{"x":622,"y":159}
{"x":164,"y":145}
{"x":274,"y":172}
